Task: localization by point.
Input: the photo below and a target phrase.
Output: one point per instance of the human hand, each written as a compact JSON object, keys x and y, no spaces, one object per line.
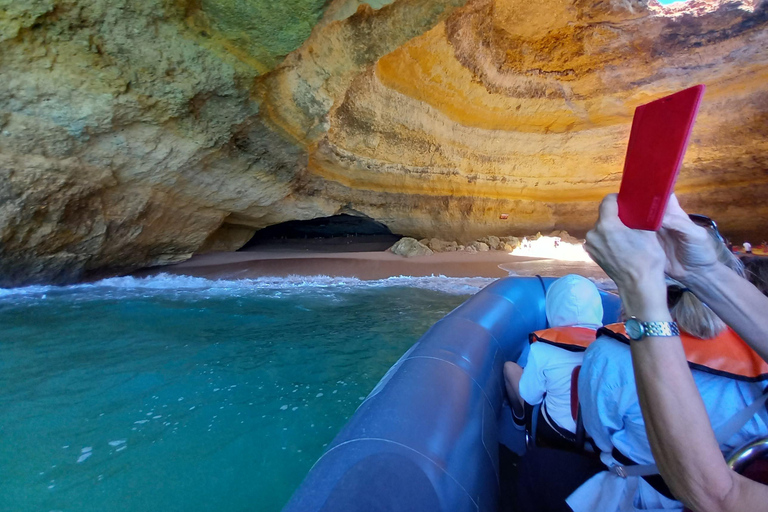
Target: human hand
{"x":689,"y":248}
{"x":633,"y":258}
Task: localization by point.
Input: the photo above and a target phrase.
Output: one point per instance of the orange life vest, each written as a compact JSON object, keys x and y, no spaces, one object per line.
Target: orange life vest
{"x":726,"y":354}
{"x":573,"y":339}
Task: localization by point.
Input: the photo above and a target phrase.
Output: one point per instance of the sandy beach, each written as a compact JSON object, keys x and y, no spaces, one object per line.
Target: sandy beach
{"x":312,"y":258}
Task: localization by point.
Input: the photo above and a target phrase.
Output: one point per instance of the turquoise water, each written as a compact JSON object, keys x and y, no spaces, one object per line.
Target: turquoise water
{"x":176,"y":393}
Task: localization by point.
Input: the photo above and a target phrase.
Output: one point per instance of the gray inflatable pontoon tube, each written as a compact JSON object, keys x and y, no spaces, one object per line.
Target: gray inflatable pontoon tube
{"x":426,"y":438}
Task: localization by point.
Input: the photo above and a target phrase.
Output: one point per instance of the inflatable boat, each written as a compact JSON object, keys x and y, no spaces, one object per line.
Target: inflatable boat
{"x":427,"y":437}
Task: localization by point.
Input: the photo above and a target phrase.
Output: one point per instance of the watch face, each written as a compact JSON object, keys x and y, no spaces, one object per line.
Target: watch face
{"x":634,"y":329}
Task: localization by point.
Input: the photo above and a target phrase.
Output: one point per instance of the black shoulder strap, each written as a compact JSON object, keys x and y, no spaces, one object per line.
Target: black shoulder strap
{"x":604,"y":331}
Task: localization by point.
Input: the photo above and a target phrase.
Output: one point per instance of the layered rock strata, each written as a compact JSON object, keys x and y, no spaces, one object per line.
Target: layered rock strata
{"x":136,"y":133}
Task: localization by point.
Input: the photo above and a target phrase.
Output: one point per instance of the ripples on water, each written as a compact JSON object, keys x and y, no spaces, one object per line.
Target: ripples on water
{"x":175,"y":393}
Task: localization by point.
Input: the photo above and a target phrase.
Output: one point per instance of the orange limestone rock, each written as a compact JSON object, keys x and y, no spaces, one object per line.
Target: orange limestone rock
{"x":526,"y":107}
{"x":136,"y":137}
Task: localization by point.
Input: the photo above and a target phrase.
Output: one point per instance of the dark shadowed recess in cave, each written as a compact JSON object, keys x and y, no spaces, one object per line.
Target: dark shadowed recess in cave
{"x":338,"y":233}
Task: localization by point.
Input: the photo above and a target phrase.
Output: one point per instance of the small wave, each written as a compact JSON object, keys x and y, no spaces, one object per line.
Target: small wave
{"x":28,"y":290}
{"x":116,"y":287}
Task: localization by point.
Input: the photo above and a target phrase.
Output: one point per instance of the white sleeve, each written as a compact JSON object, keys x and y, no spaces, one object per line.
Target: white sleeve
{"x":533,"y":383}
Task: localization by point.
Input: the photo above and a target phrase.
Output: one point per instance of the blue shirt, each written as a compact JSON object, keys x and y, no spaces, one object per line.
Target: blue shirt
{"x":612,"y":417}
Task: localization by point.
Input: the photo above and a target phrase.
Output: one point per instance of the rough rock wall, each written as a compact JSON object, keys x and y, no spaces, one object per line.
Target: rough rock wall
{"x":134,"y":133}
{"x":524,"y":108}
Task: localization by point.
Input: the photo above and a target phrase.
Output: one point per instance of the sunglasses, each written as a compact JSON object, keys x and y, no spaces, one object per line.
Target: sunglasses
{"x":706,"y":222}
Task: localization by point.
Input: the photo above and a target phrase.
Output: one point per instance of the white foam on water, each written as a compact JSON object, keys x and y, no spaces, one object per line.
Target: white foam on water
{"x":83,"y":457}
{"x":28,"y":290}
{"x":117,"y":442}
{"x":118,"y":287}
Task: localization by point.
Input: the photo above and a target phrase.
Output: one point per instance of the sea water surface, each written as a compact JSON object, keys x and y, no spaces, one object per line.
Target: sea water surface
{"x":184,"y":394}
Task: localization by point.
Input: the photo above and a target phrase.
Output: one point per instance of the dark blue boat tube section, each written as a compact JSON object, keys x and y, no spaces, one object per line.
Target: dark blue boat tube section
{"x":426,"y":438}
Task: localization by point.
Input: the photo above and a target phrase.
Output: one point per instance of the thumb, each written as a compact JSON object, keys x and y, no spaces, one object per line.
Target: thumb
{"x":675,"y":218}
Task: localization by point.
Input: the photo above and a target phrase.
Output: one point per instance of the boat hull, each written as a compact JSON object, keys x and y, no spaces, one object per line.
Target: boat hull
{"x":427,"y":436}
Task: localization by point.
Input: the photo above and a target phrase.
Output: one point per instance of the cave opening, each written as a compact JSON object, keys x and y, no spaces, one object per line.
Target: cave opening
{"x":337,"y":233}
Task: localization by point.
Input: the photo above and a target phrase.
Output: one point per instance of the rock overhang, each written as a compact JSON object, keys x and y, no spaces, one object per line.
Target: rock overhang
{"x":132,"y":134}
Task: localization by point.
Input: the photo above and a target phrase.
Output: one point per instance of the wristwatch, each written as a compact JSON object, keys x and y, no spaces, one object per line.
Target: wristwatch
{"x":637,"y":330}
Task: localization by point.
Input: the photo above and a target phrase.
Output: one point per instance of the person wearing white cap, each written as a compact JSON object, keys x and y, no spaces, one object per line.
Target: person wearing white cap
{"x":571,"y":302}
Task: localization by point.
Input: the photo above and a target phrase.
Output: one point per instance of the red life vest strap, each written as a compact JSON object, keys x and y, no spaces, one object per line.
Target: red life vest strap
{"x":575,"y":393}
{"x":573,"y":339}
{"x":726,"y":354}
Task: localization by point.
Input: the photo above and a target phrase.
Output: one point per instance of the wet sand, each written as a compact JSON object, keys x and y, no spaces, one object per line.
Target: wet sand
{"x":308,"y":259}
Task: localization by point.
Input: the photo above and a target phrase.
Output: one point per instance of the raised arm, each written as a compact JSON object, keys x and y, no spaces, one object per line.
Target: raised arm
{"x":677,"y":424}
{"x":692,"y":261}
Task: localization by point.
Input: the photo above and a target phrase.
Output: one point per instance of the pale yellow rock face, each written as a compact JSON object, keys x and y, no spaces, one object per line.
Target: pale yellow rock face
{"x":135,"y":133}
{"x":525,"y":108}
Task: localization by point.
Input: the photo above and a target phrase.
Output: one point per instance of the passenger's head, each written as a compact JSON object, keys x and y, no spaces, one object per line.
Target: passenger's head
{"x":574,"y":301}
{"x":693,"y":316}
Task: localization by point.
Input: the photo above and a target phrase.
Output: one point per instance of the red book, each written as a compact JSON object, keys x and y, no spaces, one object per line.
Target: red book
{"x":657,"y":143}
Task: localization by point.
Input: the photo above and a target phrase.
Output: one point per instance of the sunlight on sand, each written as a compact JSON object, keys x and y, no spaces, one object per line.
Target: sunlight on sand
{"x":551,"y":248}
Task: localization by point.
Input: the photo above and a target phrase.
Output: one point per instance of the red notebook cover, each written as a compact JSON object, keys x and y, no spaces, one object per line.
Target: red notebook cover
{"x":657,"y":144}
